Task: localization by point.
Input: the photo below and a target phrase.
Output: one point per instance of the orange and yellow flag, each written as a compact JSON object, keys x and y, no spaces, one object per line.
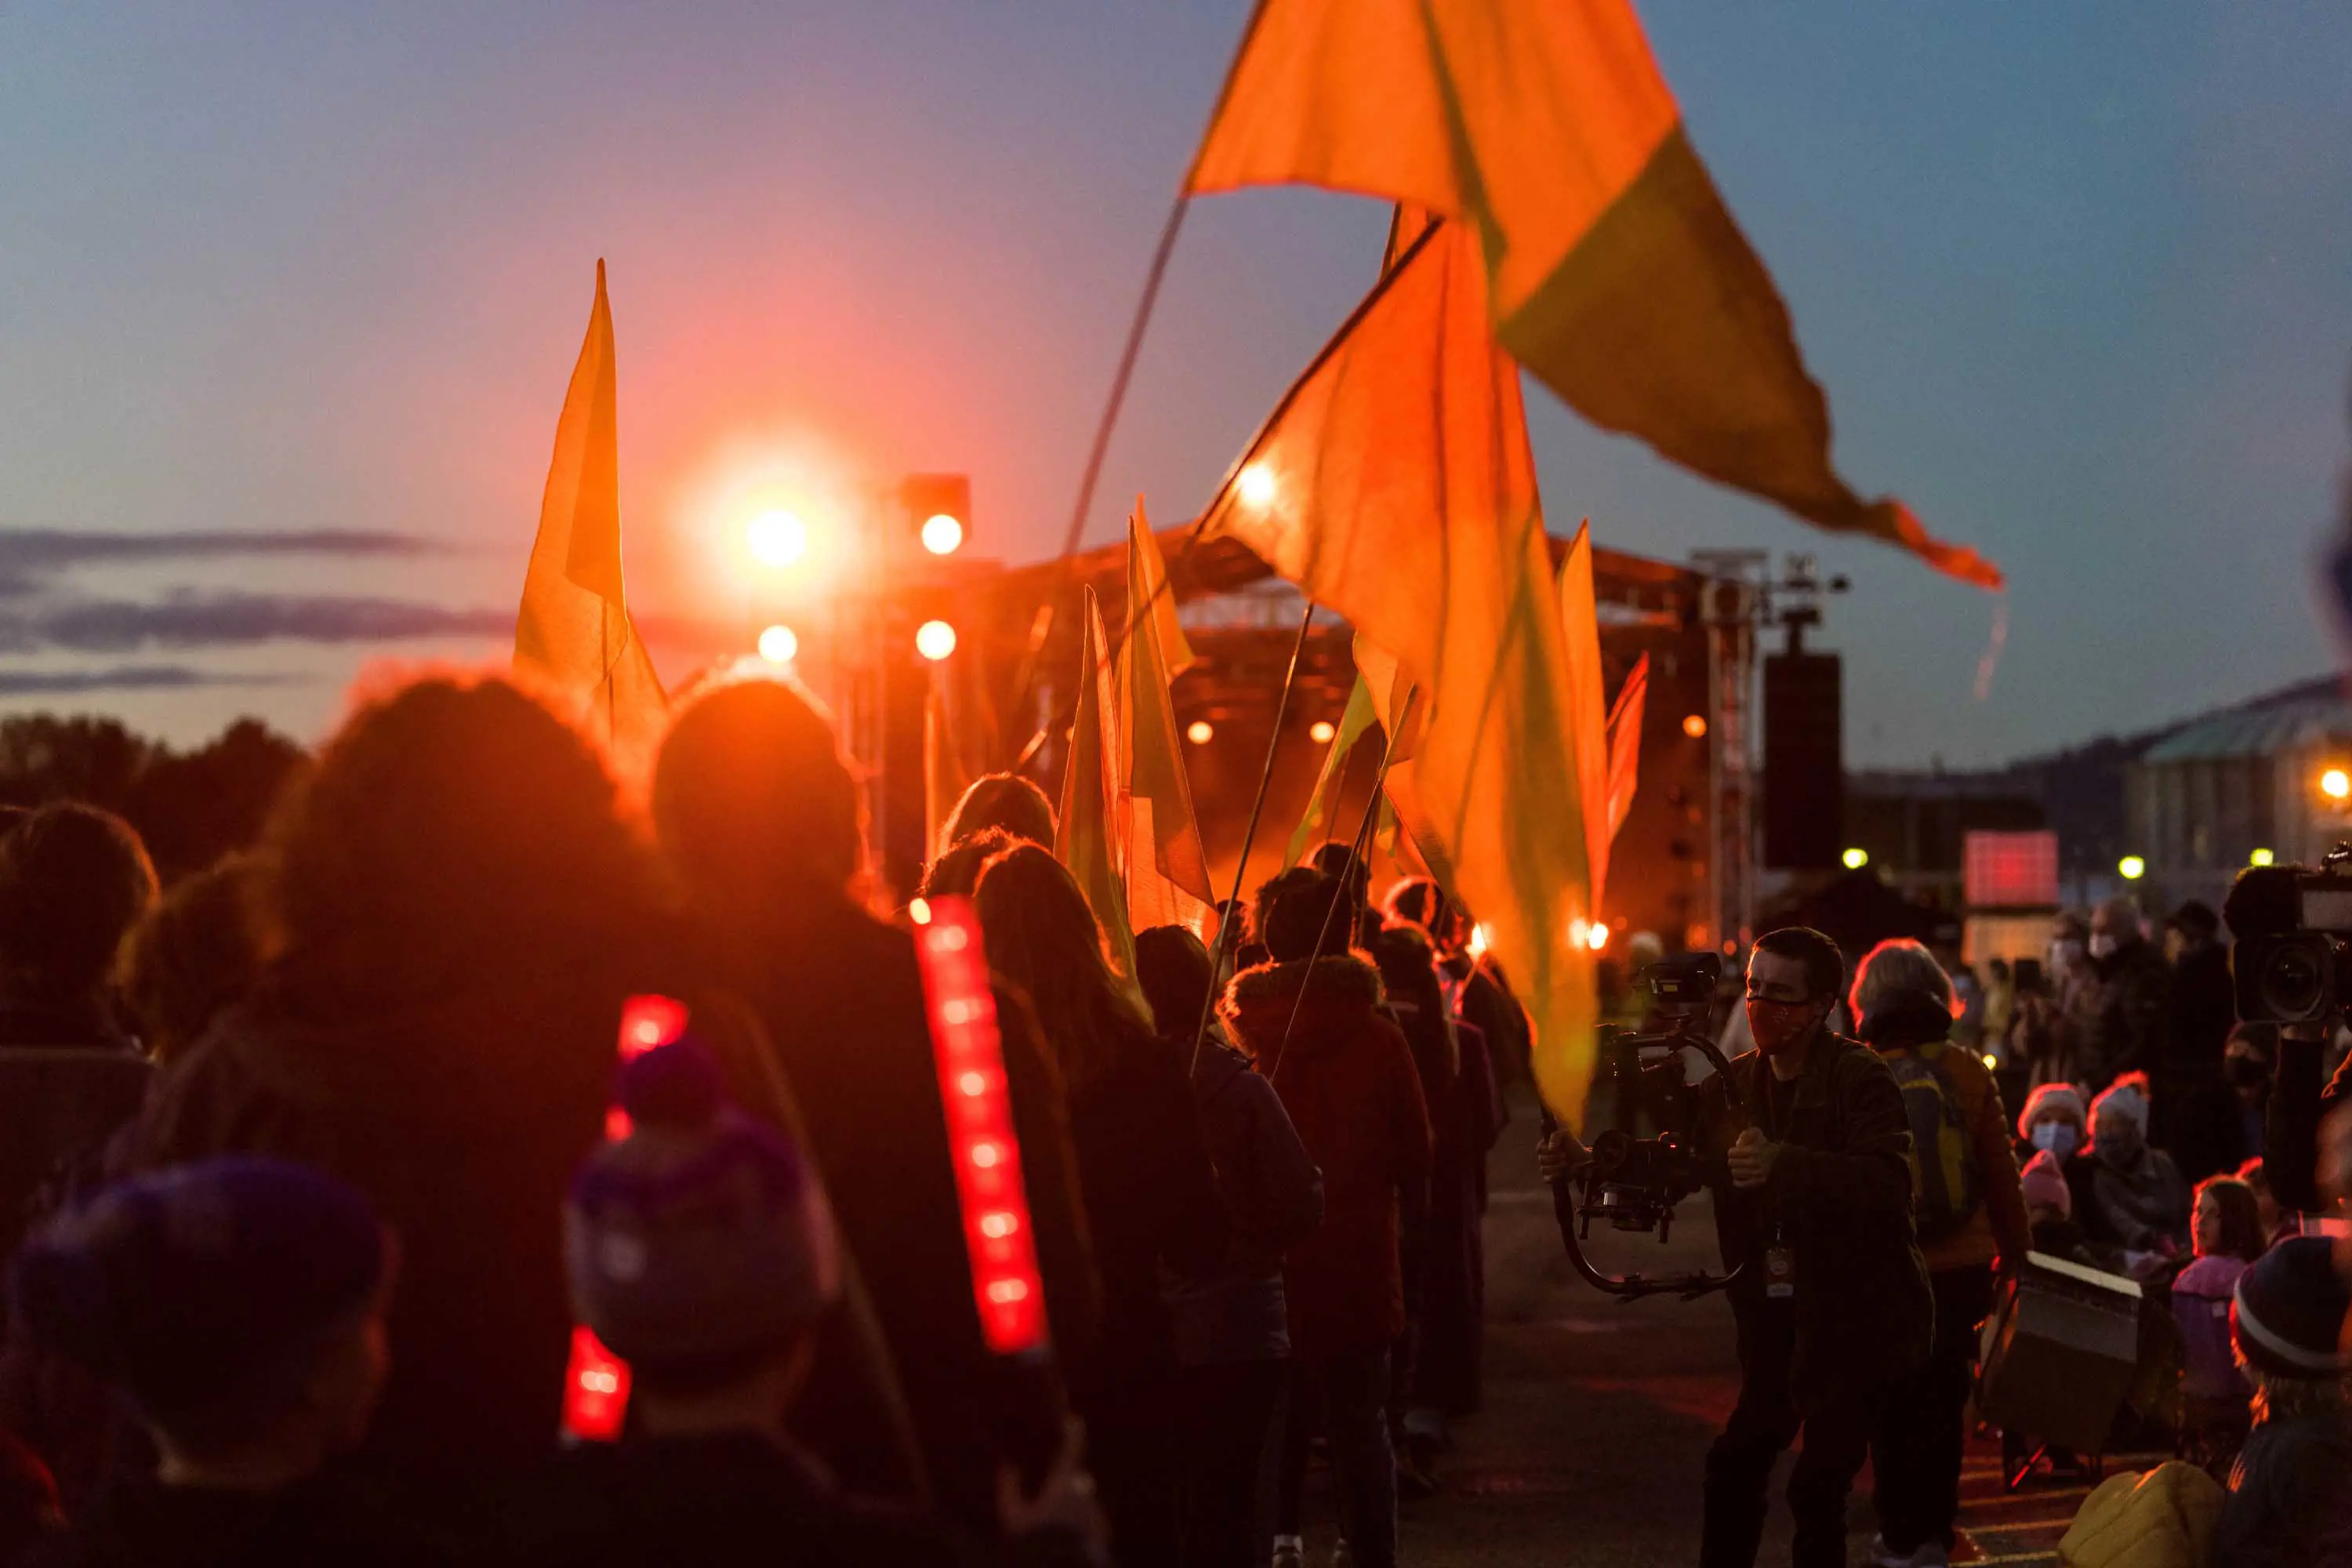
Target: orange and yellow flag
{"x":1616,"y":274}
{"x":1625,"y":742}
{"x":1395,"y":486}
{"x":1165,"y":870}
{"x":574,"y":632}
{"x":1580,"y":621}
{"x":1085,"y":837}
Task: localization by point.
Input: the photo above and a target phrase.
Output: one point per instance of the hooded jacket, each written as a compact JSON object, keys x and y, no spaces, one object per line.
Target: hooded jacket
{"x":1348,"y":1079}
{"x":1273,"y":1196}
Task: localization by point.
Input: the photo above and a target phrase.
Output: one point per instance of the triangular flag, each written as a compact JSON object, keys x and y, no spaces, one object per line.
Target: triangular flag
{"x":1617,"y":275}
{"x":1083,"y":840}
{"x":1395,"y":485}
{"x":1625,"y":742}
{"x":1166,"y":869}
{"x":574,"y":632}
{"x":1580,"y":622}
{"x":1354,"y":720}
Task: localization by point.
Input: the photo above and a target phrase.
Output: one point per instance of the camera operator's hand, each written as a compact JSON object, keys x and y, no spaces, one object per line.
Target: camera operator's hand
{"x":1562,"y":1154}
{"x":1751,"y":1159}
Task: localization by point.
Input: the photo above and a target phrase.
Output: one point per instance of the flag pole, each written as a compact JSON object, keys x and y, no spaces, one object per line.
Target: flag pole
{"x":1249,"y":837}
{"x":1359,"y":854}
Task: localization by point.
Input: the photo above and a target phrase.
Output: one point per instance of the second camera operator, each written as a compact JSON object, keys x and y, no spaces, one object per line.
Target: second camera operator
{"x":1812,"y":1204}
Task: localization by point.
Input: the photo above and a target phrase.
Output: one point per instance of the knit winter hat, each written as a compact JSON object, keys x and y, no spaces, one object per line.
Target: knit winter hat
{"x":2043,"y":1182}
{"x":185,"y":1287}
{"x":2125,"y":1100}
{"x":702,"y":1234}
{"x":2288,"y":1314}
{"x":2051,"y":1097}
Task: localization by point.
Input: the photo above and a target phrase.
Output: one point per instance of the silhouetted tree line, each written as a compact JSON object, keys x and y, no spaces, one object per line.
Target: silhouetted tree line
{"x":192,"y":807}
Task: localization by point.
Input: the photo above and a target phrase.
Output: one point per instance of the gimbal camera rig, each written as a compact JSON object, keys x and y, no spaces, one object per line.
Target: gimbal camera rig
{"x":1632,"y":1181}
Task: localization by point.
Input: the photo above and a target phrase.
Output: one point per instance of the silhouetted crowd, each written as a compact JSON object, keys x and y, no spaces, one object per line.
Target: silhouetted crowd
{"x":318,"y":1168}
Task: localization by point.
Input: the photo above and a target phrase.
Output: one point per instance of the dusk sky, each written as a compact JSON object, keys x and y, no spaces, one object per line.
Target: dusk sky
{"x":2077,"y":279}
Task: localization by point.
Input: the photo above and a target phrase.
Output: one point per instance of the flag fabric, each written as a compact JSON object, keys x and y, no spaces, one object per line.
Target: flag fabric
{"x":1580,"y":620}
{"x":1395,"y":485}
{"x":1354,"y":720}
{"x":1085,"y":839}
{"x":1616,"y":273}
{"x":574,"y":633}
{"x":1625,"y":742}
{"x":1161,"y":862}
{"x":945,"y":777}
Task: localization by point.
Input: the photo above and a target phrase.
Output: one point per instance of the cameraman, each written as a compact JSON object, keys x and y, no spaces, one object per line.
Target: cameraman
{"x":1811,"y":1183}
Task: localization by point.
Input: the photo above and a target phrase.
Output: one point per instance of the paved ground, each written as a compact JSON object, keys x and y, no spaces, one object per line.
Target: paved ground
{"x":1598,"y":1416}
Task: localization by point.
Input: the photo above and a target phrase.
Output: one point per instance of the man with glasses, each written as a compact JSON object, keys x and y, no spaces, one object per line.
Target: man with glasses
{"x":1812,"y":1181}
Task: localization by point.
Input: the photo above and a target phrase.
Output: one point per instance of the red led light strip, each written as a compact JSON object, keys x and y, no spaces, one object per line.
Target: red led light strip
{"x":971,"y":1055}
{"x":596,"y":1382}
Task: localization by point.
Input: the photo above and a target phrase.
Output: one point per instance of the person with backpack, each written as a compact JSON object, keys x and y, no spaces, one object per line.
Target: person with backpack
{"x":1969,"y":1209}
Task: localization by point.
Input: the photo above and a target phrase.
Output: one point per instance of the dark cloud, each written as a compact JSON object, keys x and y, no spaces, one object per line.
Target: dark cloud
{"x":25,"y":552}
{"x":187,"y":620}
{"x":122,"y":678}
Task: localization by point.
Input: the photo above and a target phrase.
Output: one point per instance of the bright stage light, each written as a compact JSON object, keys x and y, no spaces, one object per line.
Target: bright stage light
{"x":935,"y":640}
{"x":2335,"y":783}
{"x":1694,"y":726}
{"x":777,"y":538}
{"x":2131,"y":868}
{"x":779,"y":645}
{"x":1596,"y":936}
{"x":942,"y":534}
{"x":2261,"y":857}
{"x":1321,"y":732}
{"x":1855,"y":860}
{"x":1200,"y":732}
{"x":1255,"y":487}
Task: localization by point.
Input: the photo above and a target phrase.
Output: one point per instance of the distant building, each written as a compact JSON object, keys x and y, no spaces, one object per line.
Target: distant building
{"x":2202,"y":801}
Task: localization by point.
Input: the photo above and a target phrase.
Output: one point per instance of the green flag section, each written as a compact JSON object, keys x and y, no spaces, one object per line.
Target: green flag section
{"x":1395,"y":486}
{"x":1084,"y":842}
{"x":1354,"y":720}
{"x":573,"y":636}
{"x":1161,"y":862}
{"x":1616,"y":273}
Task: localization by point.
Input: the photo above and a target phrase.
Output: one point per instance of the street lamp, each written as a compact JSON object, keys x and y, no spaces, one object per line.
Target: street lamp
{"x":1855,"y":858}
{"x":2131,"y":868}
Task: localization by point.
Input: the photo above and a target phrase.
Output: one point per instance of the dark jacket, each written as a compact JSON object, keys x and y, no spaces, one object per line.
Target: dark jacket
{"x":1841,"y":1195}
{"x":1273,"y":1196}
{"x":1151,"y":1200}
{"x":462,"y":1119}
{"x":2298,"y":1104}
{"x":2290,"y":1503}
{"x":2204,"y":1010}
{"x":839,"y":995}
{"x":138,"y":1524}
{"x":1348,"y":1081}
{"x":2131,"y":1029}
{"x":2138,"y":1204}
{"x":716,"y":1503}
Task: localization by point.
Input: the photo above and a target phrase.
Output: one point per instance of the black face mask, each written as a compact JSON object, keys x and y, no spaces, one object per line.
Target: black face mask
{"x":2245,"y":1072}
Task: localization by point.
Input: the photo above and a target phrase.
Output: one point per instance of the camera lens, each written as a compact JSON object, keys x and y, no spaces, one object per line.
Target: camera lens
{"x":2294,"y":985}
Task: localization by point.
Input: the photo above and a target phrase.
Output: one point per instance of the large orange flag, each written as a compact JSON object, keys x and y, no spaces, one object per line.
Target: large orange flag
{"x":1396,"y":487}
{"x":1625,"y":742}
{"x":1165,"y":868}
{"x":1617,"y":275}
{"x":574,"y":632}
{"x":1580,"y":620}
{"x":1085,"y":837}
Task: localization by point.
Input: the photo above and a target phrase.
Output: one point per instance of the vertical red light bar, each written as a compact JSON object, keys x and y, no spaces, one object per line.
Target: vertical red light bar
{"x":596,"y":1382}
{"x":971,"y":1056}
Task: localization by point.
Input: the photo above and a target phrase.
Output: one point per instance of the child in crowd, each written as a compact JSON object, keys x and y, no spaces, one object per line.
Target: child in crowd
{"x":2290,"y":1502}
{"x":701,"y":1250}
{"x":2050,"y":1205}
{"x":237,"y":1306}
{"x":2226,"y":1231}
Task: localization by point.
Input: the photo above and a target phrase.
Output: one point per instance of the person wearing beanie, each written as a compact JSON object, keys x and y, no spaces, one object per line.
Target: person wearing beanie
{"x":2138,"y":1203}
{"x":236,"y":1305}
{"x":2291,"y":1491}
{"x":701,"y":1250}
{"x":2050,"y":1205}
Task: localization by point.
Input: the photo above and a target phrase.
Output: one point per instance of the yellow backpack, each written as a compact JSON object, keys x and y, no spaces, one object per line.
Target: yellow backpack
{"x":2162,"y":1518}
